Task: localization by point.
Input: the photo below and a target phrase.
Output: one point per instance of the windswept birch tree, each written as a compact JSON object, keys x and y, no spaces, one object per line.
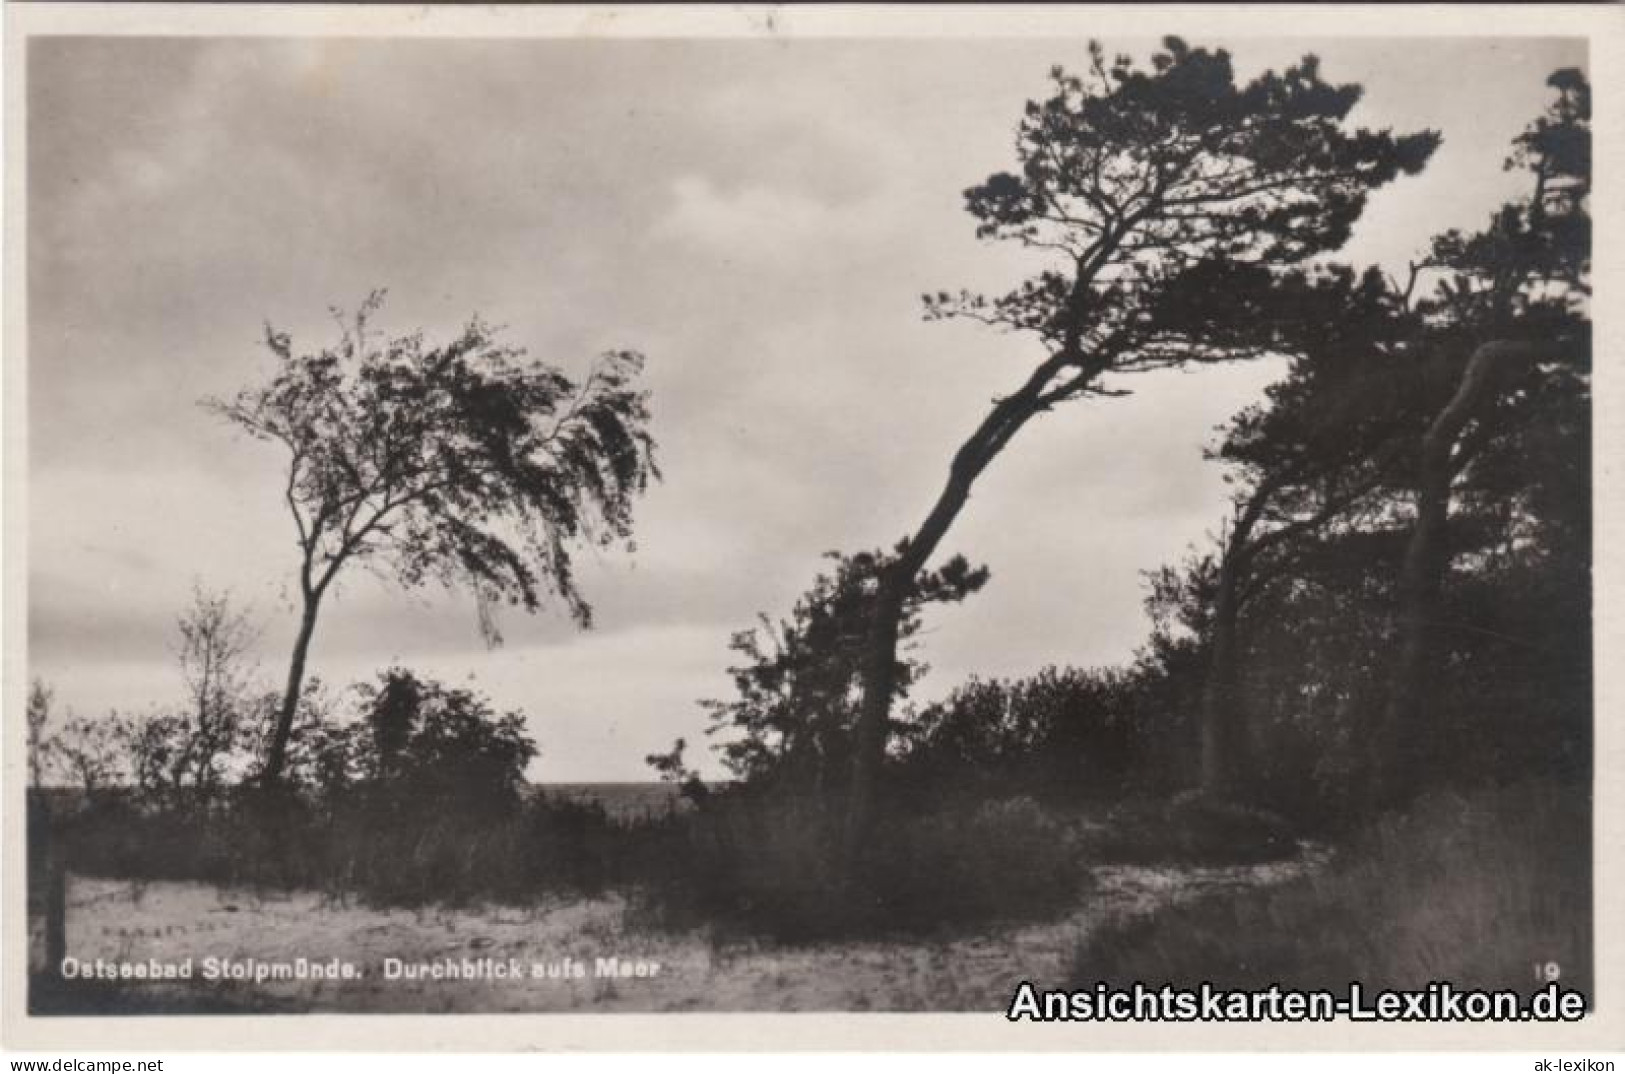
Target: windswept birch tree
{"x":464,"y":463}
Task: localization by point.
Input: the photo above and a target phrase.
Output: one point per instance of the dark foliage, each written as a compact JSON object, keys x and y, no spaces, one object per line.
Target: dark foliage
{"x":792,"y":719}
{"x":1174,"y":206}
{"x":1284,"y":637}
{"x":1322,"y":620}
{"x":420,"y":797}
{"x":1064,"y":734}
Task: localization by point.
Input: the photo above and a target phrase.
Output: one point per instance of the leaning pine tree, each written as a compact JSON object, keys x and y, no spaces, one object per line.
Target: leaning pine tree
{"x":463,"y":463}
{"x":1170,"y":200}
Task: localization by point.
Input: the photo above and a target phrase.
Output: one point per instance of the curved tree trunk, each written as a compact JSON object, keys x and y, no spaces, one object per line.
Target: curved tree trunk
{"x":1226,"y":743}
{"x":277,"y":754}
{"x":1037,"y":394}
{"x":1226,"y":738}
{"x":880,"y":662}
{"x":898,"y":578}
{"x":1395,"y":756}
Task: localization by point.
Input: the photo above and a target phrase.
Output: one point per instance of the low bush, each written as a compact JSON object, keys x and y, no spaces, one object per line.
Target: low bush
{"x":362,"y":845}
{"x":774,"y":867}
{"x":757,"y":864}
{"x":419,"y":797}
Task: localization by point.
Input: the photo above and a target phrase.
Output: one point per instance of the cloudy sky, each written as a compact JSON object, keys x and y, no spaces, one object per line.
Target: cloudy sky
{"x":759,"y":217}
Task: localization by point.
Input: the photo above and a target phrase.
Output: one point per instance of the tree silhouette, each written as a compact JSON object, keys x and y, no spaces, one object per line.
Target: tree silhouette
{"x":1393,"y":409}
{"x":1513,"y":300}
{"x":798,"y":690}
{"x":1169,"y":200}
{"x":1324,"y":446}
{"x":40,"y":698}
{"x":463,"y":463}
{"x":439,"y":750}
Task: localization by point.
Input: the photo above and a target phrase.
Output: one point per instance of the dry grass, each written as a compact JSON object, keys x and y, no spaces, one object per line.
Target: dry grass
{"x":771,"y":868}
{"x":1472,"y":890}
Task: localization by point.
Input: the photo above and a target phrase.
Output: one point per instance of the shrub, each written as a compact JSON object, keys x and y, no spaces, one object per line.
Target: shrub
{"x":772,"y":866}
{"x":420,"y":799}
{"x":1064,"y":734}
{"x":354,"y":846}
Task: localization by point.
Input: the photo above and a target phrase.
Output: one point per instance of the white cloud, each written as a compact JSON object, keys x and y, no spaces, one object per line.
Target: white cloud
{"x":760,"y":226}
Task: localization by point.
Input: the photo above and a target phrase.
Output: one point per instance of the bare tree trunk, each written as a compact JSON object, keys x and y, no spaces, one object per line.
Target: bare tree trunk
{"x":897,"y":579}
{"x":1427,"y":558}
{"x":276,"y":756}
{"x":1226,"y":736}
{"x":880,"y":677}
{"x":1002,"y":423}
{"x":1226,"y":742}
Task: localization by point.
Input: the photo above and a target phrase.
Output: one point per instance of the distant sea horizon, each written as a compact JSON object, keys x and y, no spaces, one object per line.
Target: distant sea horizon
{"x":620,"y":798}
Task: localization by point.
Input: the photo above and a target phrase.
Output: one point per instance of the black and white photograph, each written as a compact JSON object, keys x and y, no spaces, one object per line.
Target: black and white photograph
{"x":607,"y":523}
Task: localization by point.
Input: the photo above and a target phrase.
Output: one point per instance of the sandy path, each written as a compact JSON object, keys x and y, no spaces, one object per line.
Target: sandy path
{"x":120,"y":921}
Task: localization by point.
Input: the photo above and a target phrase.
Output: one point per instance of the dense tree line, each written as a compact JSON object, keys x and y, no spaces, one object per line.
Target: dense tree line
{"x":1399,"y":595}
{"x":1173,"y":202}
